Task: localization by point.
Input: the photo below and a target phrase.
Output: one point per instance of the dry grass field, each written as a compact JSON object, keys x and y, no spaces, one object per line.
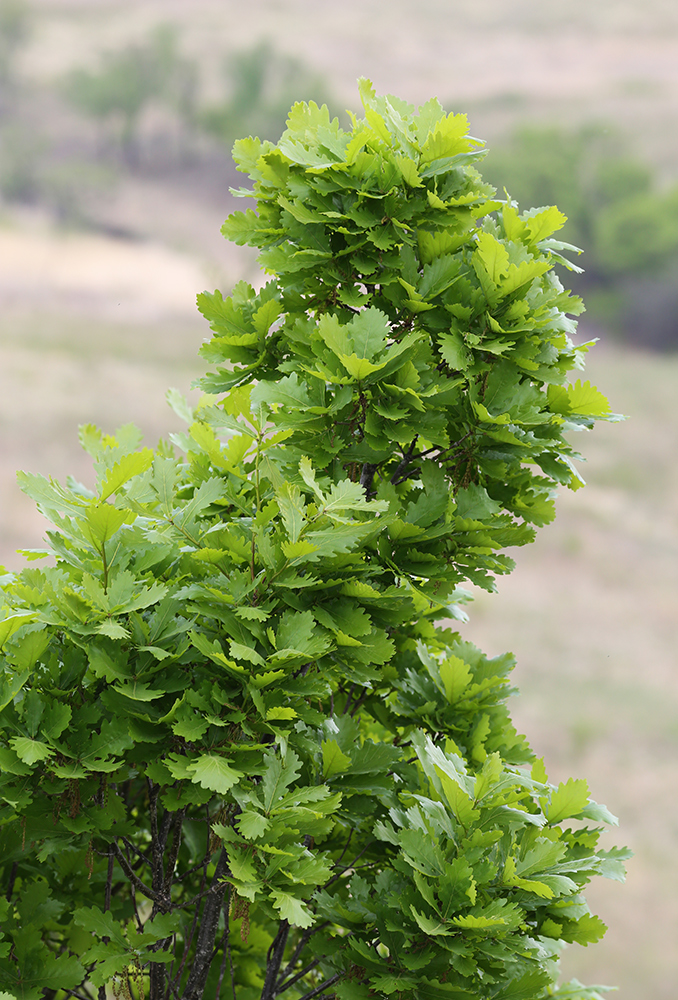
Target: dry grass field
{"x":94,"y":329}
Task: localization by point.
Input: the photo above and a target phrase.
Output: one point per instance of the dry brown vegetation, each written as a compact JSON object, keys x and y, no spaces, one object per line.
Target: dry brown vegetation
{"x":95,"y":329}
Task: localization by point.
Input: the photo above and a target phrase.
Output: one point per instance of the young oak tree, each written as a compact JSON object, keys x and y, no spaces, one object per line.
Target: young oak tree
{"x":243,"y":754}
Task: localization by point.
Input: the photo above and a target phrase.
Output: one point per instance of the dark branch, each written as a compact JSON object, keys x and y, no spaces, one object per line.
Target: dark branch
{"x":367,"y":478}
{"x":178,"y":819}
{"x":12,"y":880}
{"x":301,"y":944}
{"x":274,"y":960}
{"x":348,"y":867}
{"x":134,"y":879}
{"x":319,"y":989}
{"x":300,"y":975}
{"x":404,"y":462}
{"x":207,"y":931}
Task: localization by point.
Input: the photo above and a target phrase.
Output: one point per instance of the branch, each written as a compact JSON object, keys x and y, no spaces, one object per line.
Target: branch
{"x":404,"y":462}
{"x":174,"y":853}
{"x":204,"y":949}
{"x":300,"y":975}
{"x":226,"y":945}
{"x":12,"y":880}
{"x":274,"y":959}
{"x":319,"y":989}
{"x":132,"y":847}
{"x":134,"y":879}
{"x":367,"y":478}
{"x":348,"y":867}
{"x":301,"y":944}
{"x":109,"y":878}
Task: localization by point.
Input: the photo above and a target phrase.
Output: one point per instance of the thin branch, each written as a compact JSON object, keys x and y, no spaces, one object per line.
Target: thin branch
{"x":349,"y":698}
{"x":319,"y":989}
{"x":348,"y":867}
{"x":109,"y":878}
{"x":187,"y":944}
{"x":194,"y":899}
{"x":133,"y":894}
{"x":300,"y":975}
{"x":367,"y":478}
{"x":134,"y":879}
{"x":360,"y":701}
{"x":132,"y":847}
{"x":301,"y":944}
{"x":350,"y":834}
{"x":12,"y":880}
{"x":404,"y":462}
{"x":189,"y":871}
{"x":174,"y":853}
{"x":226,"y":946}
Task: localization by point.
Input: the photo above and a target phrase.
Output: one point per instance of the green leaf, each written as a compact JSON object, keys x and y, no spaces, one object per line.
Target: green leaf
{"x":124,"y":470}
{"x":581,"y":399}
{"x":474,"y":503}
{"x":527,"y":987}
{"x":334,"y":760}
{"x":30,"y":751}
{"x":252,"y":825}
{"x":101,"y":923}
{"x":567,"y":801}
{"x":11,"y":684}
{"x":102,"y":521}
{"x":12,"y":623}
{"x":494,"y":257}
{"x":292,"y":509}
{"x":215,"y":773}
{"x":292,"y":909}
{"x":278,"y":776}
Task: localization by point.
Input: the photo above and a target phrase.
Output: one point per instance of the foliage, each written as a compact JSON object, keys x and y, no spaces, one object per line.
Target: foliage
{"x":240,"y":756}
{"x":627,"y":226}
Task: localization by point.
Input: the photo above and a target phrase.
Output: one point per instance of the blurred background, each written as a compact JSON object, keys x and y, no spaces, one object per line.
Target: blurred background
{"x":116,"y":122}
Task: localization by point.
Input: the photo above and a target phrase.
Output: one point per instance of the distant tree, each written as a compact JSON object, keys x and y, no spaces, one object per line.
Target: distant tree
{"x":120,"y":90}
{"x":261,"y":85}
{"x":14,"y":30}
{"x":626,"y":225}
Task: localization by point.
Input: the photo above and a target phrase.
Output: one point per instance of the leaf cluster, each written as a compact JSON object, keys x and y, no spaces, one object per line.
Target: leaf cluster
{"x":239,"y":754}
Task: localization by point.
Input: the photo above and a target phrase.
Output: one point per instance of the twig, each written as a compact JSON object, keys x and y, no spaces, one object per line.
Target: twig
{"x":226,"y":946}
{"x":367,"y":477}
{"x":12,"y":880}
{"x":109,"y":878}
{"x":348,"y":867}
{"x":174,"y":853}
{"x":319,"y":989}
{"x":349,"y":698}
{"x":301,"y":944}
{"x":404,"y":462}
{"x":300,"y":975}
{"x":134,"y":879}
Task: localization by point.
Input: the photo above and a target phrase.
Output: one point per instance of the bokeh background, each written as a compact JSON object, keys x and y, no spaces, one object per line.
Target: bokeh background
{"x":116,"y":121}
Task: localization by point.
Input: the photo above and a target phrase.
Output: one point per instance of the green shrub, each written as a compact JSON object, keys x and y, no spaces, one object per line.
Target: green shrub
{"x":243,"y":752}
